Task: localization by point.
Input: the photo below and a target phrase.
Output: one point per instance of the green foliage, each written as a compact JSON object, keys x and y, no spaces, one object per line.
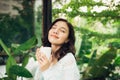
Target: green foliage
{"x":5,"y":47}
{"x":76,"y":4}
{"x":25,"y":46}
{"x":101,"y":67}
{"x":99,"y":49}
{"x":18,"y":28}
{"x":25,"y":60}
{"x":117,"y":61}
{"x":17,"y":38}
{"x":10,"y":61}
{"x":20,"y":71}
{"x":14,"y":30}
{"x":12,"y":69}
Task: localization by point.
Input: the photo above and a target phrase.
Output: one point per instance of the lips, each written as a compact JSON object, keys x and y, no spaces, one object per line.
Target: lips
{"x":55,"y":36}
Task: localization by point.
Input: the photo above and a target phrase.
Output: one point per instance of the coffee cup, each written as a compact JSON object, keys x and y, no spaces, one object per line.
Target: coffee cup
{"x":46,"y":51}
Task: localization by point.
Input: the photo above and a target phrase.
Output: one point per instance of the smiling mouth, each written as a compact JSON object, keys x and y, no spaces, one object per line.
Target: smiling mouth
{"x":55,"y":36}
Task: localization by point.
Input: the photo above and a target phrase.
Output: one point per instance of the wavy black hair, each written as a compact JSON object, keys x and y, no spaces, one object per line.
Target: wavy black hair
{"x":66,"y":47}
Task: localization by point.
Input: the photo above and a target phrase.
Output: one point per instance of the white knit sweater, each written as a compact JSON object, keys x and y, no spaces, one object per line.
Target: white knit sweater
{"x":65,"y":69}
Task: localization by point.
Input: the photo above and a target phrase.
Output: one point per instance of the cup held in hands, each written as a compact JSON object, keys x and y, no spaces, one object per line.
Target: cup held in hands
{"x":46,"y":51}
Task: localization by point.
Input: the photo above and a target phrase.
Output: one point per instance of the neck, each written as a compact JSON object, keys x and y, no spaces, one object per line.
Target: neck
{"x":55,"y":48}
{"x":54,"y":59}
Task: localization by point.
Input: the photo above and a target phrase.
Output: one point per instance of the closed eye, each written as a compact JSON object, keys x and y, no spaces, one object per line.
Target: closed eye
{"x":62,"y":30}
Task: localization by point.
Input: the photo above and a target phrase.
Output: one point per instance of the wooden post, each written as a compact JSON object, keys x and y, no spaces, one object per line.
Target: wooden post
{"x":47,"y":15}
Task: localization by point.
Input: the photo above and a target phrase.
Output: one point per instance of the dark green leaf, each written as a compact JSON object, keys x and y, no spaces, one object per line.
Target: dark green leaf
{"x":101,"y":65}
{"x":20,"y":71}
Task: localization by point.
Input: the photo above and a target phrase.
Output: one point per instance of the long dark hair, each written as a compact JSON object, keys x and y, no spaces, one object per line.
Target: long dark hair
{"x":66,"y":47}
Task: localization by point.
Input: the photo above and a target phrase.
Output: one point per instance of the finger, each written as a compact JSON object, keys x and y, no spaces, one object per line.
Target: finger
{"x":50,"y":58}
{"x":40,"y":61}
{"x":44,"y":56}
{"x":37,"y":53}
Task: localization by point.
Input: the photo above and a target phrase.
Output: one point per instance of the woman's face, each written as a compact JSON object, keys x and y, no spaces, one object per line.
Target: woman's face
{"x":58,"y":34}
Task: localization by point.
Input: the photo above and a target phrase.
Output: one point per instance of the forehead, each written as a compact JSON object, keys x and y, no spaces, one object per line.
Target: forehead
{"x":62,"y":24}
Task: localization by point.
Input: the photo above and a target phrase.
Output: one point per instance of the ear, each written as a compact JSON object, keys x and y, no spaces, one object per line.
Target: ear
{"x":67,"y":41}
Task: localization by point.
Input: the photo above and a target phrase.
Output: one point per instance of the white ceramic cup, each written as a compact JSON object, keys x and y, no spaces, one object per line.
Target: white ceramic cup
{"x":46,"y":51}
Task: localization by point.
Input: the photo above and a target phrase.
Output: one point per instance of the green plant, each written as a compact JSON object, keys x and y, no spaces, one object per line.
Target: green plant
{"x":95,"y":31}
{"x":13,"y":70}
{"x":100,"y":63}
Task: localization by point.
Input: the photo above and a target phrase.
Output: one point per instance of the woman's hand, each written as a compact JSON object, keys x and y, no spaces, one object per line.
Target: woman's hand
{"x":42,"y":59}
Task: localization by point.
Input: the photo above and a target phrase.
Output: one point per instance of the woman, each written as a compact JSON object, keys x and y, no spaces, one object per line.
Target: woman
{"x":62,"y":64}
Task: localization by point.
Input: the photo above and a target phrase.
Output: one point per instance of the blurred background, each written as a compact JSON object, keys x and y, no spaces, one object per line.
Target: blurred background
{"x":97,"y":29}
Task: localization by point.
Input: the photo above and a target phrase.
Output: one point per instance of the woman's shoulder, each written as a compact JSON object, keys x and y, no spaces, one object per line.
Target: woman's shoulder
{"x":69,"y":55}
{"x":68,"y":58}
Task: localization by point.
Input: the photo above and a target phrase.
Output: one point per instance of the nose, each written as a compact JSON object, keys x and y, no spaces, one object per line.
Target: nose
{"x":55,"y":31}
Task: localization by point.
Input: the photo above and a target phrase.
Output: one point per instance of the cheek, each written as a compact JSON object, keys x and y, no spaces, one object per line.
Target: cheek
{"x":64,"y":37}
{"x":49,"y":32}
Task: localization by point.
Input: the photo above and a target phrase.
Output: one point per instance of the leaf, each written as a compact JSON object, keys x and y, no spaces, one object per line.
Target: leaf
{"x":100,"y":69}
{"x":26,"y":46}
{"x":6,"y":78}
{"x":117,"y":61}
{"x":5,"y":47}
{"x":20,"y":71}
{"x":25,"y":60}
{"x":11,"y":61}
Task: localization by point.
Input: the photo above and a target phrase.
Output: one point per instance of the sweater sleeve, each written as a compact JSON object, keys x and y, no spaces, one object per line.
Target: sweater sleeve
{"x":65,"y":69}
